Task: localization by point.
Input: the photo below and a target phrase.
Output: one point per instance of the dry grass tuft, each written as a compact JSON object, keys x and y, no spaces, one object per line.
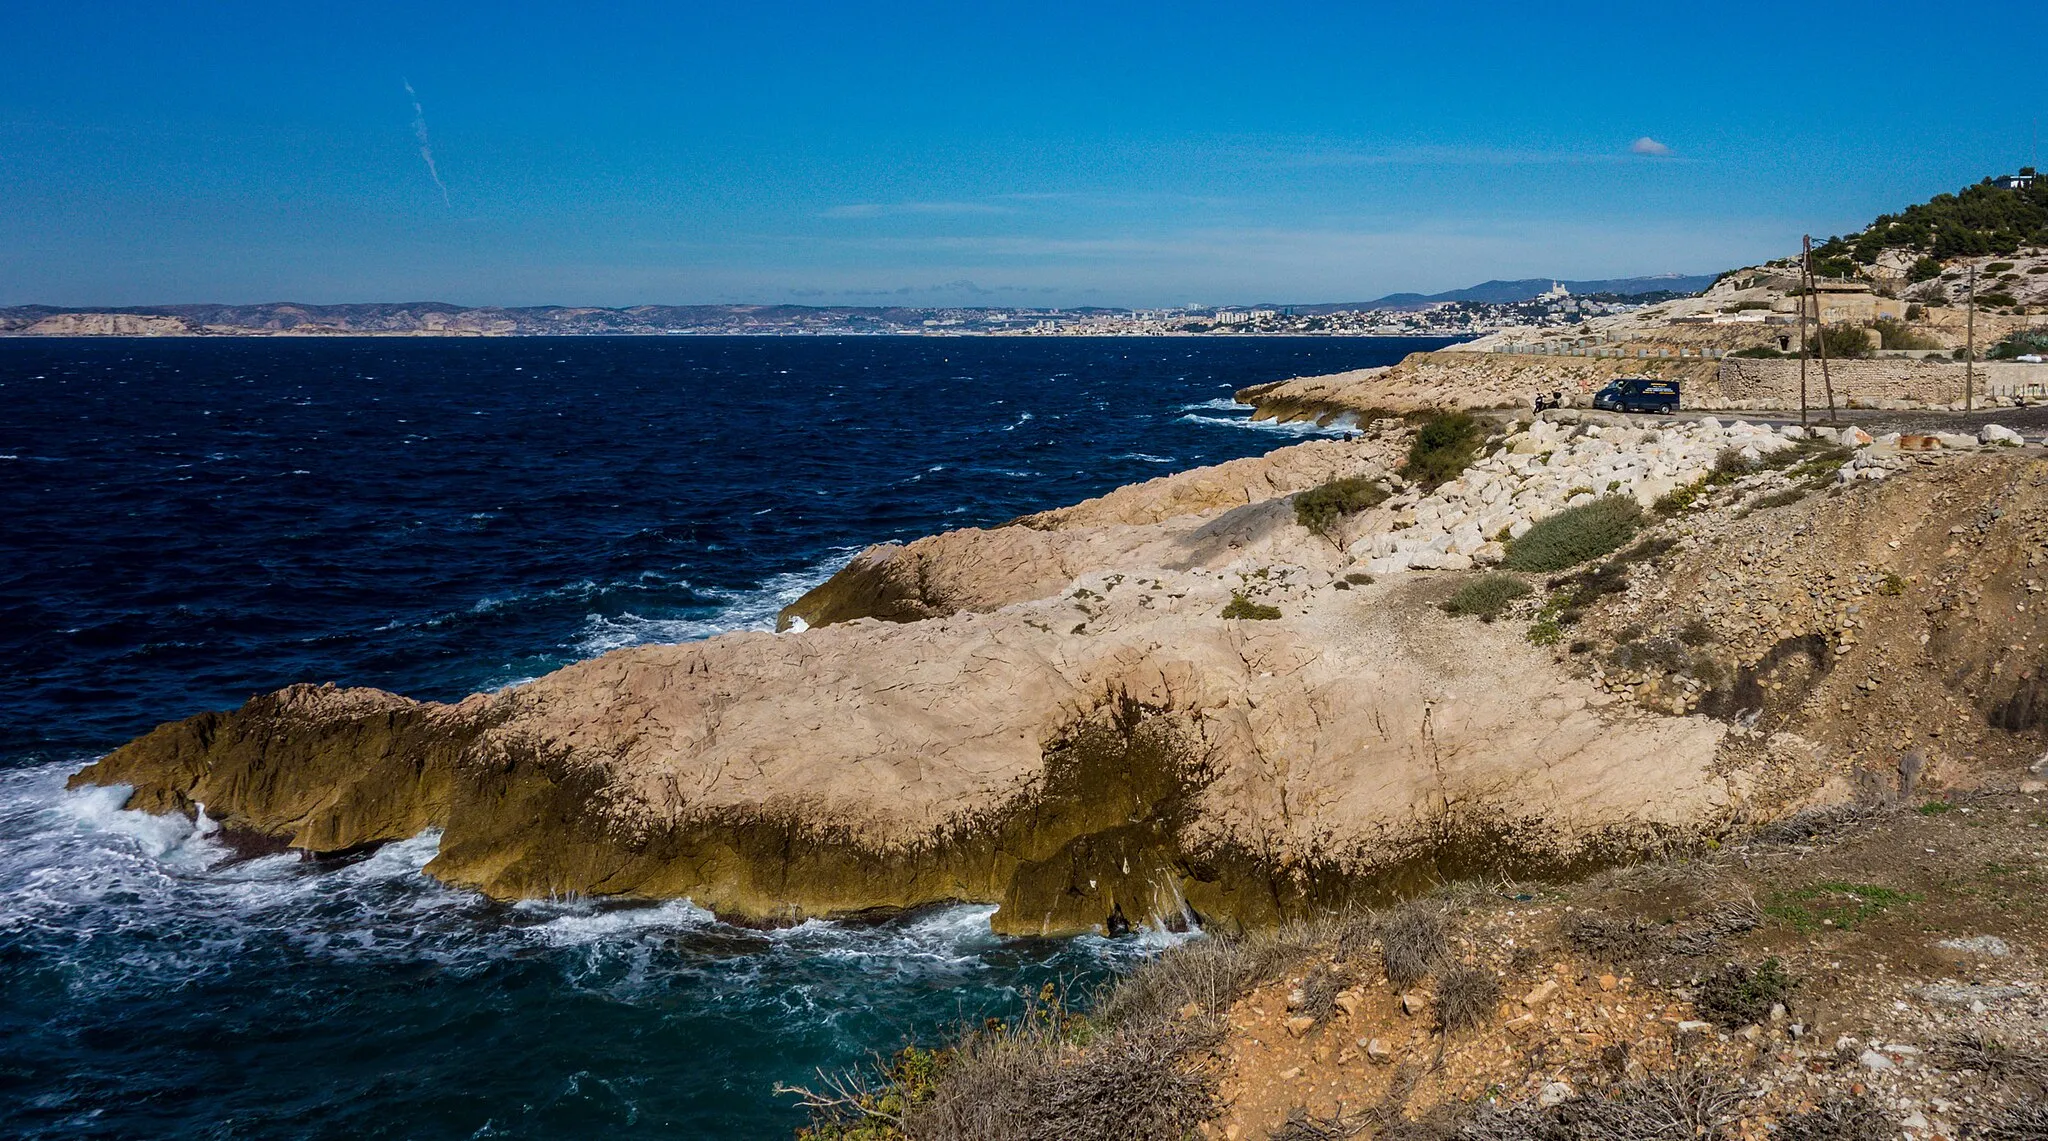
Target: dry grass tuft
{"x":1466,"y":998}
{"x":1320,"y":988}
{"x":2002,"y":1063}
{"x":1208,"y":973}
{"x":1689,"y":1102}
{"x":1301,"y":1125}
{"x":1852,"y":1120}
{"x":1024,"y":1086}
{"x":2026,"y":1124}
{"x":1412,"y":941}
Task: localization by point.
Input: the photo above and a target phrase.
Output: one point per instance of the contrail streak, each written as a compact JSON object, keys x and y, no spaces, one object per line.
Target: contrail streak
{"x":419,"y":130}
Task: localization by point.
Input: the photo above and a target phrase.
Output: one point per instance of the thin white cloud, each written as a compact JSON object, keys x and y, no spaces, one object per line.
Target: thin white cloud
{"x":889,"y":209}
{"x":419,"y":130}
{"x":1649,"y":146}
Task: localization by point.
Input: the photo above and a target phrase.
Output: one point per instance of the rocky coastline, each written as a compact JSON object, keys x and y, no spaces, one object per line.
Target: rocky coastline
{"x":1055,"y":716}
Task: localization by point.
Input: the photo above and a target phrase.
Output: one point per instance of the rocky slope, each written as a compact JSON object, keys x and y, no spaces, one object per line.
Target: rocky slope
{"x":1058,"y":719}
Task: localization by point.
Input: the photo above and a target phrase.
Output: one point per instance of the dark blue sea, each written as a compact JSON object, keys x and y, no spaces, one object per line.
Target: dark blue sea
{"x":186,"y":523}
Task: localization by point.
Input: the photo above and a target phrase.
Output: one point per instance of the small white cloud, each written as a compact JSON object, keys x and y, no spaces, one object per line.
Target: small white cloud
{"x":1649,"y":146}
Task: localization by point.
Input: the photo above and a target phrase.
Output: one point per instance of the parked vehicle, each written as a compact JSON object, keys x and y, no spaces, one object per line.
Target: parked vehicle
{"x":1638,"y":394}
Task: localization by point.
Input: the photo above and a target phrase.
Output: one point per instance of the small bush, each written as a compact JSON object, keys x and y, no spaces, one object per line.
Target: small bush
{"x":1466,"y":998}
{"x":1680,"y":499}
{"x":1487,"y":596}
{"x":1730,"y":465}
{"x":1925,"y":269}
{"x":1893,"y":585}
{"x":1783,"y":498}
{"x":1696,"y":633}
{"x":1444,"y":447}
{"x":1998,"y":267}
{"x":1575,"y":535}
{"x":1412,"y":940}
{"x":1358,"y":578}
{"x":2024,"y":342}
{"x":1759,"y":352}
{"x":1736,"y":996}
{"x":1842,"y":342}
{"x":1997,"y":299}
{"x":1245,"y":608}
{"x":1893,"y":334}
{"x":1320,"y":508}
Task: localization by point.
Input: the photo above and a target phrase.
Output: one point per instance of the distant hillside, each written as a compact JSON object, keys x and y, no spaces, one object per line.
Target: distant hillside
{"x":1508,"y":292}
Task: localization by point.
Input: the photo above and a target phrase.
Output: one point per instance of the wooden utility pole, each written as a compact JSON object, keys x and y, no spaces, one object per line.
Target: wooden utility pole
{"x":1970,"y":345}
{"x":1820,"y":326}
{"x":1805,"y":275}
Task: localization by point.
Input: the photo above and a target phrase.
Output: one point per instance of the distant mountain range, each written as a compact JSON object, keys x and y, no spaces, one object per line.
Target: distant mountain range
{"x":1508,"y":292}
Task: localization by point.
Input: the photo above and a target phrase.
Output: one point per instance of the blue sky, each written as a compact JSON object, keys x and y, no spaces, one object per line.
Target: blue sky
{"x":985,"y":154}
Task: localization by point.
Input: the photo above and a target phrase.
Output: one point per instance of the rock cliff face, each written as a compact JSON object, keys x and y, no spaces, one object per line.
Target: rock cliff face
{"x":1057,"y":720}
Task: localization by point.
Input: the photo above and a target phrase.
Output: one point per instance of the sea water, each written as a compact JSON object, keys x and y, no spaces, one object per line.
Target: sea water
{"x":185,"y":523}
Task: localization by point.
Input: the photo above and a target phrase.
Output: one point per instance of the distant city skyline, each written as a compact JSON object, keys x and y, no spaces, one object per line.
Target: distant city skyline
{"x":933,"y":155}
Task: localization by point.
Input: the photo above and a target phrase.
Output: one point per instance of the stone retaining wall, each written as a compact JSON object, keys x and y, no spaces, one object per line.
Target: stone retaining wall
{"x":1746,"y":383}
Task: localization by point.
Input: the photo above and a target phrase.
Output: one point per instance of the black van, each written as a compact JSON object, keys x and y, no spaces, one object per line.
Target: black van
{"x":1638,"y":394}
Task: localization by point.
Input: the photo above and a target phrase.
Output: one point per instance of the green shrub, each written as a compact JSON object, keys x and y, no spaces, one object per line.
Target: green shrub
{"x":1998,"y":267}
{"x":1242,"y":607}
{"x":1759,"y":352}
{"x":1925,"y":269}
{"x":1320,"y":508}
{"x":1447,"y":443}
{"x":1893,"y":334}
{"x":1680,"y":498}
{"x":2034,"y":341}
{"x":1736,"y":996}
{"x":1730,"y":465}
{"x":1997,"y":299}
{"x":1576,"y":534}
{"x":1487,"y":596}
{"x":1843,"y":342}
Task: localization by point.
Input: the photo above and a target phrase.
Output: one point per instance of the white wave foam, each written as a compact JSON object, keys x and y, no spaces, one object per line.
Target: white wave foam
{"x":579,"y":924}
{"x":755,"y":610}
{"x":1220,"y":404}
{"x":1150,"y":459}
{"x":1296,"y":428}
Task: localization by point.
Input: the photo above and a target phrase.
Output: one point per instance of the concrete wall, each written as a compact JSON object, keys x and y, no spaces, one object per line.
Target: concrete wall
{"x":1893,"y":382}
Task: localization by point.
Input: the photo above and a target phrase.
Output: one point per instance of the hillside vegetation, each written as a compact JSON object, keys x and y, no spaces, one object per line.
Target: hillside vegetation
{"x":1976,"y":221}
